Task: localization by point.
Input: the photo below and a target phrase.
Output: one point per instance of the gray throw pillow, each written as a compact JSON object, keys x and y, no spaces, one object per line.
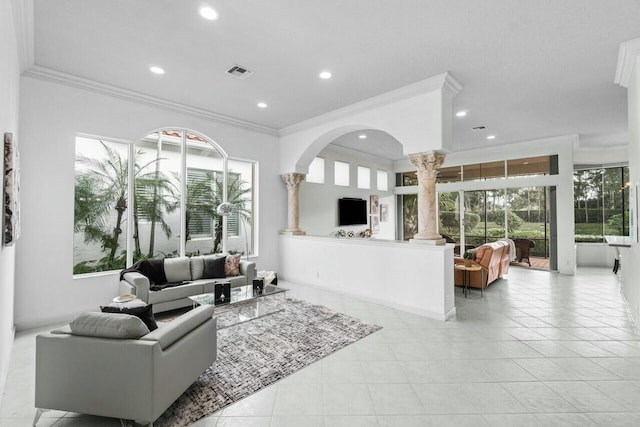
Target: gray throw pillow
{"x":108,"y":325}
{"x":197,"y":267}
{"x":177,"y":269}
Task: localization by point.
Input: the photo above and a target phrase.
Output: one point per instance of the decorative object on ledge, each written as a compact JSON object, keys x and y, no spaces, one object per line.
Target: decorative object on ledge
{"x":364,"y":234}
{"x":468,"y":258}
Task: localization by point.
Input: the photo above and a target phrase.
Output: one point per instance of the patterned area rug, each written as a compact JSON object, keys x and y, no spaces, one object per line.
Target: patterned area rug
{"x":248,"y":362}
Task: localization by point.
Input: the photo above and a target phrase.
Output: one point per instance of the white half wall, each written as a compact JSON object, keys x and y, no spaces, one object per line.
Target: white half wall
{"x":595,"y":255}
{"x":51,"y":116}
{"x":411,"y":277}
{"x":318,"y":203}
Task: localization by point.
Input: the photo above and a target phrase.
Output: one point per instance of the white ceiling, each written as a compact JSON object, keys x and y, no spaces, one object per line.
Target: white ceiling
{"x":530,"y":69}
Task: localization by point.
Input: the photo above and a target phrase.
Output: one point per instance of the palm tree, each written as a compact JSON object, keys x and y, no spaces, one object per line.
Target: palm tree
{"x":154,"y":195}
{"x":237,"y":191}
{"x":105,"y":181}
{"x":103,"y":186}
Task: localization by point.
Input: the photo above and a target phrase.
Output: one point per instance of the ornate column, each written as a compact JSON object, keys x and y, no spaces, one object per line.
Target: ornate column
{"x":427,"y":165}
{"x":292,"y":181}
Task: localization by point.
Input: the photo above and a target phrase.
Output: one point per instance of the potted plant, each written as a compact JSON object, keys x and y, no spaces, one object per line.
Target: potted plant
{"x":468,"y":258}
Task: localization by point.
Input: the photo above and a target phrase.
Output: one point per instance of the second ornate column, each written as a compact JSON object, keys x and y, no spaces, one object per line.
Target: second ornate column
{"x":292,"y":181}
{"x":427,"y":165}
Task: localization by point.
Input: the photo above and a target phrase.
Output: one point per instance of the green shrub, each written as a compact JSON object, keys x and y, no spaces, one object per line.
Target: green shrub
{"x":513,"y":220}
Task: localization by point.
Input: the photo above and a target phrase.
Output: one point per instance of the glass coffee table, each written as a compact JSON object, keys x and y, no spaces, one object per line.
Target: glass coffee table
{"x":245,"y":304}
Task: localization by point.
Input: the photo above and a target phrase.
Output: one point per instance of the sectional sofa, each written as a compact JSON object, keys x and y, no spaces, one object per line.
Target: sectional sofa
{"x":186,"y":276}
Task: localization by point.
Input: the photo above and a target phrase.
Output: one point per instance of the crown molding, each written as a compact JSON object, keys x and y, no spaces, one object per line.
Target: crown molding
{"x":443,"y":81}
{"x":24,"y":28}
{"x":627,"y":54}
{"x":47,"y":74}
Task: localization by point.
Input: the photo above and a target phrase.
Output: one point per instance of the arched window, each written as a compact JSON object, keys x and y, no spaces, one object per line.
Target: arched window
{"x":180,"y":178}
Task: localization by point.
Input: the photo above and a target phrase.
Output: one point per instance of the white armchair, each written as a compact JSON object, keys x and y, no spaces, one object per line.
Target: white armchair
{"x":130,"y":379}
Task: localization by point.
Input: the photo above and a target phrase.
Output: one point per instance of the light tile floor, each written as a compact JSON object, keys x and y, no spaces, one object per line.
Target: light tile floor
{"x":540,"y":349}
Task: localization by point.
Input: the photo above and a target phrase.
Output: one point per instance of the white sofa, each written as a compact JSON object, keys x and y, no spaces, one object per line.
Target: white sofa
{"x":130,"y":379}
{"x":189,"y":270}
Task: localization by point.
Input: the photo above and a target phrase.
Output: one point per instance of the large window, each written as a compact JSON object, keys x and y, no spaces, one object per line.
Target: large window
{"x":179,"y":181}
{"x":601,"y":203}
{"x":100,"y":208}
{"x":364,"y":178}
{"x":316,"y":171}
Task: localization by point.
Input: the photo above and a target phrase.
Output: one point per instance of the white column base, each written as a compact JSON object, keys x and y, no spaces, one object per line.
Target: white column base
{"x":433,"y":242}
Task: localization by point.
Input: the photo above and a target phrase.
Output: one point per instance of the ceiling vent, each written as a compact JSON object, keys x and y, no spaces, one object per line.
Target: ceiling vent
{"x":479,"y":128}
{"x":239,"y":72}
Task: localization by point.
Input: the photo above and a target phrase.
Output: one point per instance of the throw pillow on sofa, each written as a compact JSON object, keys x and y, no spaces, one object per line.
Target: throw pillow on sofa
{"x":144,"y":313}
{"x":214,"y":267}
{"x":232,"y":265}
{"x":108,"y":325}
{"x":177,"y":269}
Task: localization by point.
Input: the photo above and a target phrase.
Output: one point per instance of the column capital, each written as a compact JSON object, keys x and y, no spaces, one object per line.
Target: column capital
{"x":427,"y":163}
{"x":292,"y":179}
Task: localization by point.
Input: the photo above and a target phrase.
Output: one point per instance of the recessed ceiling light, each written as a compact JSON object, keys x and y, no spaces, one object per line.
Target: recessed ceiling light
{"x":491,"y":137}
{"x":207,"y":12}
{"x":262,"y":104}
{"x":461,"y":113}
{"x":362,"y":136}
{"x":156,"y":70}
{"x":525,"y":163}
{"x":325,"y":75}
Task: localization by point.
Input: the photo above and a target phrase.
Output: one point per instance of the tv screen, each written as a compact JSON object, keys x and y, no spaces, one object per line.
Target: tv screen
{"x":352,"y":211}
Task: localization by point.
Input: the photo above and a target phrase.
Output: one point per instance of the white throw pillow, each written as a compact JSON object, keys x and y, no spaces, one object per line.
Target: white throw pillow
{"x":197,"y":267}
{"x":177,"y":269}
{"x":109,"y":325}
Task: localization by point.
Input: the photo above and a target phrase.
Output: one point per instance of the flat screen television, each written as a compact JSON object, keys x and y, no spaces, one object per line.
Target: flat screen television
{"x":352,"y":211}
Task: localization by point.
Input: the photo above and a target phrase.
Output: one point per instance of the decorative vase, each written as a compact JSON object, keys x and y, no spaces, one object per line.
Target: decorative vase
{"x":468,"y":262}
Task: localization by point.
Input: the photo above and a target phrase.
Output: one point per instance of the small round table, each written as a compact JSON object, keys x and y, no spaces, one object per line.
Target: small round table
{"x":466,"y":277}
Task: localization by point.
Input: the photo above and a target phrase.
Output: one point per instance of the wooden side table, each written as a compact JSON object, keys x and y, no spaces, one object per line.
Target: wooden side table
{"x":466,"y":277}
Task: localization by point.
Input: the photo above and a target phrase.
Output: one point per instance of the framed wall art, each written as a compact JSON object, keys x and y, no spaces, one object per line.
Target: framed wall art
{"x":10,"y":192}
{"x":374,"y":202}
{"x":375,"y":224}
{"x":384,"y":213}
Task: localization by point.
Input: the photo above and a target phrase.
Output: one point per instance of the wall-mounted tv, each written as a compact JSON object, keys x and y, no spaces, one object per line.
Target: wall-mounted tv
{"x":352,"y":211}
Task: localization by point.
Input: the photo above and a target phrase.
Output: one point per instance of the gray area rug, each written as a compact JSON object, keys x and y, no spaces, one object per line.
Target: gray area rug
{"x":248,"y":362}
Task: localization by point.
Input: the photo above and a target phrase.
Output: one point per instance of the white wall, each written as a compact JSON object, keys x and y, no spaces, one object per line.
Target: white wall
{"x":319,"y":202}
{"x":562,"y":146}
{"x":51,"y":116}
{"x":417,"y":115}
{"x":9,"y":101}
{"x":630,"y":257}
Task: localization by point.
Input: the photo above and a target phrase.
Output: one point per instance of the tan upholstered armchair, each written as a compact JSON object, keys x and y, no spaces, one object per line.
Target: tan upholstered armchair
{"x":494,"y":260}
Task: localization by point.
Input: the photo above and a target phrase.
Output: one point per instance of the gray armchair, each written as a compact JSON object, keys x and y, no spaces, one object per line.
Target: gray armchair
{"x":130,"y":379}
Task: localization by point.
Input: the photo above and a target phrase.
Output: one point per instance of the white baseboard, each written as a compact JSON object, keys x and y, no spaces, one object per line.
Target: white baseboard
{"x":425,"y":313}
